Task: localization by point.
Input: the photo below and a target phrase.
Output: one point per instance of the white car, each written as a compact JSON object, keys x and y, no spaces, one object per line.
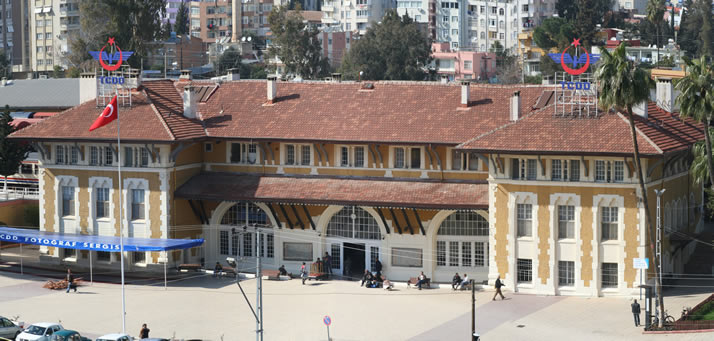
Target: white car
{"x":9,"y":329}
{"x":39,"y":331}
{"x":115,"y":337}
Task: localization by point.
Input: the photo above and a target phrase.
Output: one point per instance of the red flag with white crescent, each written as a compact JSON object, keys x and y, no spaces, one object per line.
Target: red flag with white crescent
{"x":109,"y":114}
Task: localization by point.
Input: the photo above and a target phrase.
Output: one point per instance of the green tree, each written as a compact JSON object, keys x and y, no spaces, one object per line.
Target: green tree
{"x":548,"y":67}
{"x":567,"y":9}
{"x":655,"y":15}
{"x":554,"y":33}
{"x":12,"y":152}
{"x":5,"y":67}
{"x":622,"y":84}
{"x":166,"y":30}
{"x":696,"y":100}
{"x":181,"y":25}
{"x":508,"y":68}
{"x":32,"y":215}
{"x":230,"y":59}
{"x":696,"y":32}
{"x":57,"y":72}
{"x":590,"y":14}
{"x":393,"y":49}
{"x":296,"y":44}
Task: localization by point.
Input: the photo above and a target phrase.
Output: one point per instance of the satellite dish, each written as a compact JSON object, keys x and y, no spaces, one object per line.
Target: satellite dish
{"x":242,"y":39}
{"x":250,"y":38}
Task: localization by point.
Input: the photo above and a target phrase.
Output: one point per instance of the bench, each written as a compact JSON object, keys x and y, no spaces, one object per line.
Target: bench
{"x":228,"y":271}
{"x":271,"y":274}
{"x":194,"y":267}
{"x":414,"y":281}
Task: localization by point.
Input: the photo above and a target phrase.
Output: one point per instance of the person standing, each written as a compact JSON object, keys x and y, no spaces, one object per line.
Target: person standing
{"x":328,"y":263}
{"x":303,"y":273}
{"x":636,"y":312}
{"x":498,"y":286}
{"x":378,"y":268}
{"x":70,"y":281}
{"x":144,"y":333}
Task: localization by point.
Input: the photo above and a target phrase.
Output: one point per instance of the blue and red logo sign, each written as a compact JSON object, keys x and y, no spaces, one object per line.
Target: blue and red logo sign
{"x":584,"y":59}
{"x":106,"y":59}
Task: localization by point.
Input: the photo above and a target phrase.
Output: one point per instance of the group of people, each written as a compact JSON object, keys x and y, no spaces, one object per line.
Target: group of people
{"x":376,"y":280}
{"x":460,"y":283}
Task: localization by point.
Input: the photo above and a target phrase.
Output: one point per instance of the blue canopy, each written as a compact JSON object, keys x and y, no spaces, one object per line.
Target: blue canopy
{"x":92,"y":242}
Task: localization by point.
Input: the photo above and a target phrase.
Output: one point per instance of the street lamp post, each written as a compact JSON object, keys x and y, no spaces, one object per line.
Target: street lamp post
{"x":658,"y":248}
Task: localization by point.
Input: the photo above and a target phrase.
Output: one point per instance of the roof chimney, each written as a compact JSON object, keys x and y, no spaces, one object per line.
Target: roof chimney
{"x":465,"y":94}
{"x":516,"y":106}
{"x":337,"y":77}
{"x":185,"y":74}
{"x":665,"y":98}
{"x":189,"y":102}
{"x":233,"y":74}
{"x":272,"y":88}
{"x":87,"y":86}
{"x":641,"y":109}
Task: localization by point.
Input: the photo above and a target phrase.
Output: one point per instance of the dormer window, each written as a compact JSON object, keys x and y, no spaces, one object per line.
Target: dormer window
{"x":352,"y":156}
{"x":407,"y":157}
{"x":244,"y":153}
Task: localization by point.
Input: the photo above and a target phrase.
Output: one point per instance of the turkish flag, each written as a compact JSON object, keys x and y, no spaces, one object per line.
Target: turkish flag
{"x":109,"y":114}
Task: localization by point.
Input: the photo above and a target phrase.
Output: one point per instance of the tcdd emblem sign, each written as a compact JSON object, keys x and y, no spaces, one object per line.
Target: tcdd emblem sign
{"x":584,"y":59}
{"x":106,"y":59}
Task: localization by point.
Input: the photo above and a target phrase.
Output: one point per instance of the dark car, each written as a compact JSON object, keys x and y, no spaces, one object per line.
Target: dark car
{"x":68,"y":335}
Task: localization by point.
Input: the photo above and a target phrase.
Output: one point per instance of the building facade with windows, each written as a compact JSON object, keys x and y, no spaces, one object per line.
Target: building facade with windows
{"x":354,"y":16}
{"x":51,"y":23}
{"x":440,"y":178}
{"x":15,"y":34}
{"x":211,"y":20}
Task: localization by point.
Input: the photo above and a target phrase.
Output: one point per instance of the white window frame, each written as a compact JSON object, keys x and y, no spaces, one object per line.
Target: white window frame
{"x":351,"y":151}
{"x":245,"y":153}
{"x":298,"y":157}
{"x":527,"y":217}
{"x":407,"y":157}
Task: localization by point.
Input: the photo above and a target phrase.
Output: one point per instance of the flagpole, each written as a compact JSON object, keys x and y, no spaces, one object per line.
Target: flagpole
{"x":121,"y":220}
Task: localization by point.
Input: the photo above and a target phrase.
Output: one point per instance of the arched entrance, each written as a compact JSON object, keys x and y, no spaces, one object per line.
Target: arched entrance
{"x":236,"y":235}
{"x":462,"y":246}
{"x":353,"y":236}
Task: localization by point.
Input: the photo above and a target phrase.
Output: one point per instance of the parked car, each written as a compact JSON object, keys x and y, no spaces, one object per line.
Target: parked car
{"x":39,"y":331}
{"x":154,"y":339}
{"x":115,"y":337}
{"x":9,"y":329}
{"x":68,"y":335}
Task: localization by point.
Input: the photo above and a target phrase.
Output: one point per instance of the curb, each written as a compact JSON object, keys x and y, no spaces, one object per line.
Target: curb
{"x":692,"y":331}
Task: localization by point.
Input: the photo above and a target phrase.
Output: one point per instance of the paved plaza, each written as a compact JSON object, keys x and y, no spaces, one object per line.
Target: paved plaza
{"x":208,"y":308}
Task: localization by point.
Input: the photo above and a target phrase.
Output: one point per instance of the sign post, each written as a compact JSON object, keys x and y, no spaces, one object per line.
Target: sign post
{"x":642,"y":264}
{"x":327,"y":322}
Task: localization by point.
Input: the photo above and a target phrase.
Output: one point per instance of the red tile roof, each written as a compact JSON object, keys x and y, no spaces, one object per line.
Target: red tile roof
{"x":394,"y":112}
{"x":169,"y":104}
{"x":609,"y":133}
{"x":313,"y":190}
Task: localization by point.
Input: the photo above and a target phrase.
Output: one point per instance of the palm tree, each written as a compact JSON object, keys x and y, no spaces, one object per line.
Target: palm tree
{"x":621,"y":85}
{"x":655,"y":14}
{"x":697,"y":101}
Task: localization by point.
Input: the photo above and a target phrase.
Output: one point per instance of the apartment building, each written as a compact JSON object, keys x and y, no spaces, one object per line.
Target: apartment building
{"x":14,"y":36}
{"x":172,"y":7}
{"x":354,"y":16}
{"x":335,"y":44}
{"x":477,"y":24}
{"x":456,"y":65}
{"x":51,"y":22}
{"x":251,"y":16}
{"x":211,"y":20}
{"x":179,"y":52}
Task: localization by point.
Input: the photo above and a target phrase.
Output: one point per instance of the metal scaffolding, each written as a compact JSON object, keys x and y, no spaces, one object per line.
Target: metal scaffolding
{"x":107,"y":89}
{"x":575,"y":96}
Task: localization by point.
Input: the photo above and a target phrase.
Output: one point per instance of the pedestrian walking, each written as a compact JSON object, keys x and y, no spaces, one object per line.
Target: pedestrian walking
{"x":70,"y":281}
{"x":498,"y":286}
{"x":378,"y":267}
{"x":303,"y":273}
{"x":636,"y":312}
{"x":328,"y":263}
{"x":144,"y":333}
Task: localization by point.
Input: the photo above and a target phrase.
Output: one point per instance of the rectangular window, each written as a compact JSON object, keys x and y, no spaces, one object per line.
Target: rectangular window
{"x":139,"y":257}
{"x":270,"y":247}
{"x":399,"y":158}
{"x":67,"y":201}
{"x":108,"y":156}
{"x":455,"y":160}
{"x":468,"y":65}
{"x":74,"y":155}
{"x":235,"y":241}
{"x":297,"y":251}
{"x":137,"y":204}
{"x":415,"y":158}
{"x":59,"y":155}
{"x":103,"y":256}
{"x":144,"y":160}
{"x":465,"y":253}
{"x":556,"y":170}
{"x":445,"y":18}
{"x":93,"y":156}
{"x":515,"y":169}
{"x":619,"y":171}
{"x":609,"y":223}
{"x":344,"y":156}
{"x":359,"y":157}
{"x":599,"y":170}
{"x":102,"y":203}
{"x":473,"y":161}
{"x":128,"y":156}
{"x":524,"y":220}
{"x":532,"y":169}
{"x":574,"y":170}
{"x":481,"y":254}
{"x":609,"y":275}
{"x":566,"y":273}
{"x":289,"y":154}
{"x":525,"y":270}
{"x":248,"y":245}
{"x":566,"y":222}
{"x":406,"y":257}
{"x":306,"y":155}
{"x":453,"y":253}
{"x":223,"y":242}
{"x":440,"y":253}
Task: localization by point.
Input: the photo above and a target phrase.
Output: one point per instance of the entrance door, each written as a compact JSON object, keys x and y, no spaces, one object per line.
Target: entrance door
{"x":354,"y":260}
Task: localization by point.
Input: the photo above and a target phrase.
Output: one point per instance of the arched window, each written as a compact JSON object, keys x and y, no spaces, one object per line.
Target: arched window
{"x":353,"y":222}
{"x":462,"y":240}
{"x":237,"y":242}
{"x":501,"y":11}
{"x":246,"y":213}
